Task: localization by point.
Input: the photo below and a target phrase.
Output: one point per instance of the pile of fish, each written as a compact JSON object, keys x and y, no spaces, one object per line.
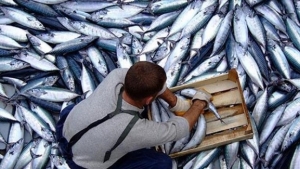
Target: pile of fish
{"x":55,"y":52}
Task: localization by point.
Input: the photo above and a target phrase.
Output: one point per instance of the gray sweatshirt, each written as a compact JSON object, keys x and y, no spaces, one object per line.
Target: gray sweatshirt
{"x":89,"y":151}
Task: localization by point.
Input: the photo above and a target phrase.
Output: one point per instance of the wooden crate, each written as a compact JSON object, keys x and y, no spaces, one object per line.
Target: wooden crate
{"x":227,"y":96}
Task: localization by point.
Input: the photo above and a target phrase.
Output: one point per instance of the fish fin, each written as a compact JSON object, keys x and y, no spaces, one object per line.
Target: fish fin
{"x":222,"y":121}
{"x":83,"y":96}
{"x":170,"y":41}
{"x":90,"y":19}
{"x":33,"y":155}
{"x":230,"y":165}
{"x":83,"y":53}
{"x":142,"y":34}
{"x":9,"y":145}
{"x":148,"y":7}
{"x":15,"y":94}
{"x":140,"y":25}
{"x":27,"y":46}
{"x":43,"y":56}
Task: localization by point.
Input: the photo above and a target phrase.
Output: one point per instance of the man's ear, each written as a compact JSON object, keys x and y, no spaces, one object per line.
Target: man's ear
{"x":149,"y":99}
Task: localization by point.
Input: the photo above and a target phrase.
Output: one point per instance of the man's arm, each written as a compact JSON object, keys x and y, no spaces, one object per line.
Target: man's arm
{"x":169,"y":97}
{"x":193,"y":112}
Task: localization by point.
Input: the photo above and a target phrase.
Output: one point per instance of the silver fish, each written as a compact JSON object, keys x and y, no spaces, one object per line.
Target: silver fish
{"x":206,"y":157}
{"x":266,"y":12}
{"x":10,"y":158}
{"x":44,"y":114}
{"x":223,"y":32}
{"x":275,"y":143}
{"x":36,"y":123}
{"x":240,"y":28}
{"x":41,"y":47}
{"x":36,"y":61}
{"x":230,"y":153}
{"x":295,"y":159}
{"x":56,"y":37}
{"x":198,"y":21}
{"x":117,"y":12}
{"x":50,"y":1}
{"x":212,"y":28}
{"x":86,"y":6}
{"x":9,"y":43}
{"x":23,"y":18}
{"x":246,"y":59}
{"x":87,"y":83}
{"x":185,"y":16}
{"x":42,"y":149}
{"x":53,"y":94}
{"x":270,"y":123}
{"x":178,"y":52}
{"x":97,"y":60}
{"x":278,"y":58}
{"x":205,"y":66}
{"x":292,"y":134}
{"x":198,"y":135}
{"x":13,"y":32}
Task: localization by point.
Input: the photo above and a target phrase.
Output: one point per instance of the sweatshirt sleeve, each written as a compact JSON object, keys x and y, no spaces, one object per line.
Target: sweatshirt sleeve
{"x":157,"y":133}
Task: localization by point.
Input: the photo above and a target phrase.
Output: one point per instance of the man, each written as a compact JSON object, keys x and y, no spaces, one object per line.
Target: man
{"x":106,"y":131}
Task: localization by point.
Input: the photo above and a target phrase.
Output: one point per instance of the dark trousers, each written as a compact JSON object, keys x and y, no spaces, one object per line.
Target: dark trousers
{"x":67,"y":154}
{"x":139,"y":159}
{"x":143,"y":159}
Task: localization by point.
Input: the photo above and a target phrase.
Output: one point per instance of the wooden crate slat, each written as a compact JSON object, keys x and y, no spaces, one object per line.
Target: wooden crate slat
{"x":227,"y":98}
{"x":217,"y":140}
{"x":231,"y":122}
{"x":201,"y":83}
{"x":224,"y":112}
{"x":219,"y":86}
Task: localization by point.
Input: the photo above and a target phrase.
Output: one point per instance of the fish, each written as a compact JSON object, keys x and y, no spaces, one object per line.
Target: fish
{"x":9,"y":43}
{"x":223,"y":32}
{"x":205,"y":157}
{"x":36,"y":61}
{"x":57,"y":37}
{"x":291,"y":135}
{"x":270,"y":123}
{"x":240,"y":29}
{"x":212,"y":108}
{"x":185,"y":17}
{"x":295,"y":162}
{"x":14,"y":32}
{"x":199,"y":134}
{"x":72,"y":45}
{"x":38,"y":8}
{"x":36,"y":123}
{"x":53,"y":94}
{"x":10,"y":158}
{"x":41,"y":47}
{"x":209,"y":63}
{"x":23,"y":18}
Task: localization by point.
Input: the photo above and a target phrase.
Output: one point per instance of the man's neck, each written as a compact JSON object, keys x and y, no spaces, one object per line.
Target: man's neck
{"x":131,"y":101}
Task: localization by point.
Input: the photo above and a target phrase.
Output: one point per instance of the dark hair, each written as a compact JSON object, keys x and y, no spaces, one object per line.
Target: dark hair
{"x":144,"y":79}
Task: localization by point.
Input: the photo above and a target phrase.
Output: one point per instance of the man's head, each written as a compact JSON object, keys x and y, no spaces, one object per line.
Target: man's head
{"x":144,"y":79}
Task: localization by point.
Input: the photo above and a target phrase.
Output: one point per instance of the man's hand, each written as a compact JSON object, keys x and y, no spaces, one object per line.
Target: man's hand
{"x":202,"y":95}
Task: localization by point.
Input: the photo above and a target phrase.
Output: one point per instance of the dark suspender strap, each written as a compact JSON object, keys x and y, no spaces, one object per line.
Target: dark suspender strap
{"x":122,"y":137}
{"x":78,"y":135}
{"x":136,"y":115}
